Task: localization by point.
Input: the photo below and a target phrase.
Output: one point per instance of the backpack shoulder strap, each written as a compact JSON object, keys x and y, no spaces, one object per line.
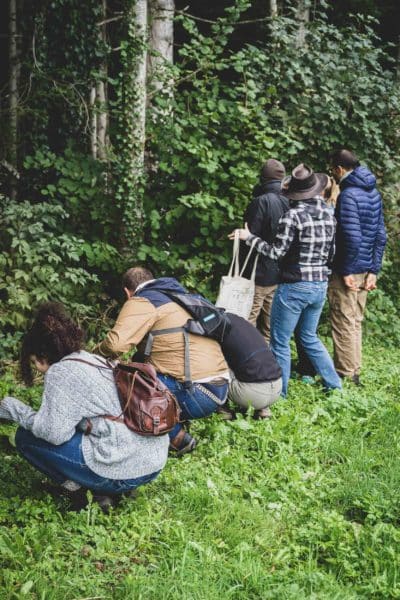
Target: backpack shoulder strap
{"x":107,"y":365}
{"x":156,"y":332}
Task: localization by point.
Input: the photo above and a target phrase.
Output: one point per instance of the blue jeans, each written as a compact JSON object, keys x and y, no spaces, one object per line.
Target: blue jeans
{"x":300,"y":304}
{"x":66,"y":462}
{"x":194,"y":402}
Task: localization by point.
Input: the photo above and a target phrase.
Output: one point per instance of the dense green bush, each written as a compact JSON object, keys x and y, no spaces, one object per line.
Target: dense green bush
{"x":39,"y":261}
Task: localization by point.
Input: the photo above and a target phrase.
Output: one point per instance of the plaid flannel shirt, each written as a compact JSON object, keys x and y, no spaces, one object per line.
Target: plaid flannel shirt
{"x":304,"y":243}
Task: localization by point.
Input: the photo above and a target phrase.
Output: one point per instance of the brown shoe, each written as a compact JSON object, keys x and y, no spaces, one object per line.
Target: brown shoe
{"x":183,"y":443}
{"x":226,"y":413}
{"x":263,"y":413}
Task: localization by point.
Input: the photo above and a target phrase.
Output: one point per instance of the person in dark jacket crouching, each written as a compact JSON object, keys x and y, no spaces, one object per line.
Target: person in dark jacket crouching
{"x":360,"y":243}
{"x":256,"y":376}
{"x":262,"y":217}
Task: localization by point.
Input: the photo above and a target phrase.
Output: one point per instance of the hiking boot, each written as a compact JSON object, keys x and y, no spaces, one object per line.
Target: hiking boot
{"x":183,"y":443}
{"x":226,"y":413}
{"x":262,"y":413}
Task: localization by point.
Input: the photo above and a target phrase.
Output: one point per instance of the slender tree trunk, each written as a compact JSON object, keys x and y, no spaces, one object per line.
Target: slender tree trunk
{"x":398,"y":60}
{"x":139,"y":108}
{"x":273,"y":8}
{"x":131,"y":135}
{"x":102,"y":119}
{"x":101,"y":97}
{"x":303,"y":17}
{"x":161,"y":42}
{"x":93,"y":123}
{"x":13,"y":93}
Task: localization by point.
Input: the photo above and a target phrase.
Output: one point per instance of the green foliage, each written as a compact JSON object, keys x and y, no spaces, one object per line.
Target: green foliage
{"x":235,"y":109}
{"x":39,"y":261}
{"x":79,"y":184}
{"x":302,"y":507}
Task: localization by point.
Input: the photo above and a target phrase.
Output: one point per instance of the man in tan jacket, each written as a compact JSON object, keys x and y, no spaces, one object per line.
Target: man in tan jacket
{"x":192,"y":366}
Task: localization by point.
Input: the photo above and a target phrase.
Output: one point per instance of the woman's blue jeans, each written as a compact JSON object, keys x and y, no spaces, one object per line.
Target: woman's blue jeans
{"x":66,"y":462}
{"x":194,"y":401}
{"x":300,"y":304}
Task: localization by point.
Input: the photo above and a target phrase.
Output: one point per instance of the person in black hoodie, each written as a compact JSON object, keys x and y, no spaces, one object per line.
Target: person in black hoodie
{"x":262,"y":217}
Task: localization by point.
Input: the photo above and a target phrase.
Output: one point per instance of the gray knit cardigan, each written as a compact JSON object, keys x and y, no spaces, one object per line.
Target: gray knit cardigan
{"x":73,"y":392}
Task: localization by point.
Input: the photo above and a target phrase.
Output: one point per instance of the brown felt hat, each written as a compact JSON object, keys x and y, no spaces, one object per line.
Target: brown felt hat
{"x":272,"y":169}
{"x":304,"y":184}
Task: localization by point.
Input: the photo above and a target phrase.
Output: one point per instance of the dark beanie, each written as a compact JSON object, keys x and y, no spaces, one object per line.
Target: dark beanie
{"x":272,"y":169}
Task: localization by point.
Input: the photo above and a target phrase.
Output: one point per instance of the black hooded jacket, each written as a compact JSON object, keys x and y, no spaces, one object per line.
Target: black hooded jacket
{"x":262,"y":216}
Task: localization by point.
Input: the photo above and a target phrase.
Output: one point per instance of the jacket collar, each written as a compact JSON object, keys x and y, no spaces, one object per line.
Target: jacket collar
{"x":265,"y":187}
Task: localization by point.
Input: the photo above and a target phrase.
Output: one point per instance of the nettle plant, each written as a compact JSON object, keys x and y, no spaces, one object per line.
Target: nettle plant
{"x":39,"y":262}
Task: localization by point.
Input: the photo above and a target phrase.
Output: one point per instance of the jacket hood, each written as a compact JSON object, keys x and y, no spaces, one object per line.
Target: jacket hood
{"x":167,"y":284}
{"x":361,"y":177}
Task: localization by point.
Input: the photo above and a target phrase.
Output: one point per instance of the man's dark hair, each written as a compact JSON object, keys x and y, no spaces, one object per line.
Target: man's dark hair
{"x":344,"y":158}
{"x":135,"y":276}
{"x":52,"y":336}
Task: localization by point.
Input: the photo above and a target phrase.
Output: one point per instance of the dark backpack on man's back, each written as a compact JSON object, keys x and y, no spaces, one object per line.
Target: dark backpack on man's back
{"x":207,"y":319}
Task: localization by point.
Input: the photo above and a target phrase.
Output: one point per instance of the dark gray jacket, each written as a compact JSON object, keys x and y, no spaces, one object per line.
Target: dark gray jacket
{"x":262,"y":216}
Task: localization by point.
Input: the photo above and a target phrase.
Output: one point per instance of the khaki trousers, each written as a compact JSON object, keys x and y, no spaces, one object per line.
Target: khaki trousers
{"x":258,"y":395}
{"x":346,"y":315}
{"x":261,"y":309}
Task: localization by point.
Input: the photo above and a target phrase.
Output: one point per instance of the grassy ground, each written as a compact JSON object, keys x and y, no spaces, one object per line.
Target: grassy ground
{"x":306,"y":505}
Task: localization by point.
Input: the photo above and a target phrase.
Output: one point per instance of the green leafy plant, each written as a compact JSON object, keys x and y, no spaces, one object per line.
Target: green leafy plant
{"x":39,"y":262}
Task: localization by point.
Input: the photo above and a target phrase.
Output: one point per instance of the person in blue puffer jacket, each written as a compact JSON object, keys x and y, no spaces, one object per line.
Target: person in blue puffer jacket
{"x":360,"y":244}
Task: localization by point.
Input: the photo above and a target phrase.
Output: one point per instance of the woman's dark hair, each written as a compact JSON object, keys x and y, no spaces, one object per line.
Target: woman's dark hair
{"x":344,"y":158}
{"x":52,"y":336}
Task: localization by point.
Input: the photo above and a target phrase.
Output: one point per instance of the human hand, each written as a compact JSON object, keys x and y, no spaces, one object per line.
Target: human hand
{"x":370,"y":282}
{"x":243,"y":233}
{"x":350,"y":283}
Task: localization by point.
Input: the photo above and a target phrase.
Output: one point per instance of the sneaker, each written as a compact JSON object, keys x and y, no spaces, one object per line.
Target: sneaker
{"x":183,"y":443}
{"x":226,"y":413}
{"x":307,"y":379}
{"x":263,"y":413}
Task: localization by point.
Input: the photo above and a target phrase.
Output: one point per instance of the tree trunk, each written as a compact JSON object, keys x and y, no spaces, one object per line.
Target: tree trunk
{"x":398,"y":60}
{"x":139,"y":107}
{"x":273,"y":8}
{"x":101,"y":97}
{"x":161,"y":43}
{"x":131,"y":135}
{"x":93,"y":123}
{"x":13,"y":94}
{"x":303,"y":17}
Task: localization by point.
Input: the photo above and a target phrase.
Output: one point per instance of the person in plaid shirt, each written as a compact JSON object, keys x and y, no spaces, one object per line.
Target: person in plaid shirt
{"x":304,"y":246}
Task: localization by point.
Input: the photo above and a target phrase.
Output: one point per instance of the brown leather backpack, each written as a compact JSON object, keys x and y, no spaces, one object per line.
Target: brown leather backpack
{"x":148,"y":407}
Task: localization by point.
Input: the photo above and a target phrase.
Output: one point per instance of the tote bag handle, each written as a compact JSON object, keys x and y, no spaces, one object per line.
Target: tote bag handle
{"x":253,"y":272}
{"x":235,"y":257}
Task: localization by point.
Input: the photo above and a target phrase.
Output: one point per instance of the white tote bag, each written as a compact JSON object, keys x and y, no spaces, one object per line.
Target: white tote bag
{"x":236,"y":293}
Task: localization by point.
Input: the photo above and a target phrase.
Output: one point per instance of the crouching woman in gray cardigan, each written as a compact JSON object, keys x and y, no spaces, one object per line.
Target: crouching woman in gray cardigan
{"x":111,"y":459}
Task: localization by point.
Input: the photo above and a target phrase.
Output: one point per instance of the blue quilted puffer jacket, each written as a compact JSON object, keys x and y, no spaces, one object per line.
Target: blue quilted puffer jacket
{"x":360,"y":233}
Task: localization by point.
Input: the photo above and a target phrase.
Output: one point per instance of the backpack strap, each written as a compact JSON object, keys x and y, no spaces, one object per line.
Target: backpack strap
{"x":156,"y":332}
{"x":107,"y":365}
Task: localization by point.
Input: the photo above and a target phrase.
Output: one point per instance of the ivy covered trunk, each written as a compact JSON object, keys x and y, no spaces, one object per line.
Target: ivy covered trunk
{"x":13,"y":95}
{"x":130,"y":143}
